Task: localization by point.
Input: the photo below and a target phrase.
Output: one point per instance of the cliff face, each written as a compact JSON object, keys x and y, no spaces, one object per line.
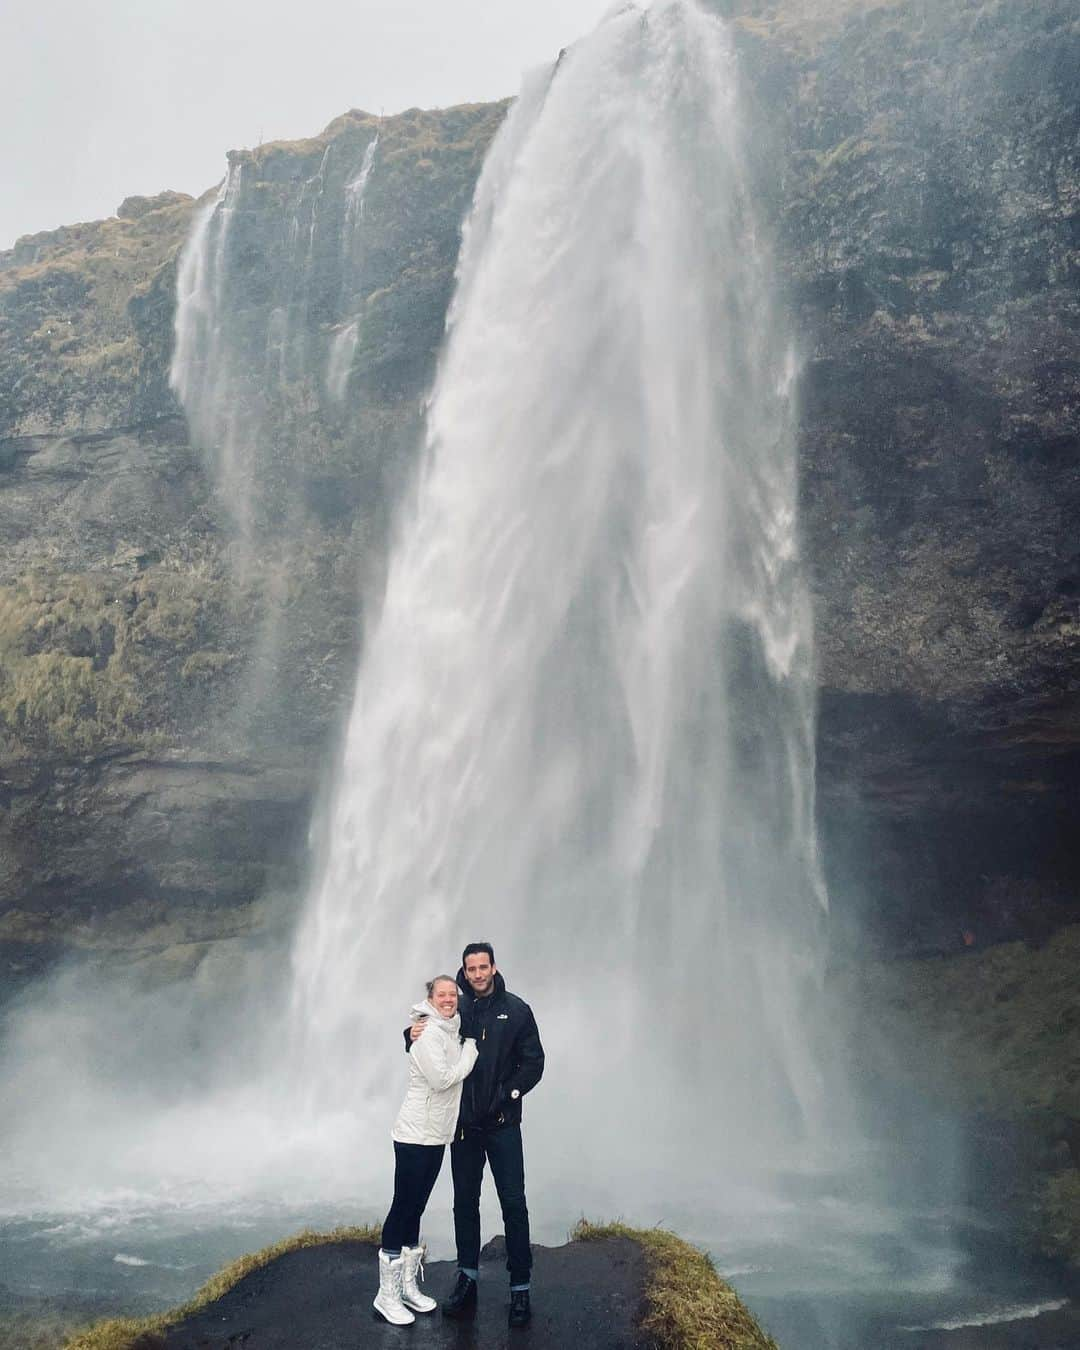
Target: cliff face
{"x":165,"y":705}
{"x":167,"y":681}
{"x":928,"y":209}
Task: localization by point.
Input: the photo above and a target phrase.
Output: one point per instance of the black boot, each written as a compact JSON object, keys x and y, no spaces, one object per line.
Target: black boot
{"x":520,"y":1312}
{"x":462,"y":1300}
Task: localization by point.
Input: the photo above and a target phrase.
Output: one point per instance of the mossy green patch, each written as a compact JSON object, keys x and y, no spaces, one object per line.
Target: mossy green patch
{"x":687,"y":1305}
{"x":70,"y":353}
{"x":144,"y":1333}
{"x":205,"y":665}
{"x":992,"y":1033}
{"x":87,"y":662}
{"x":1057,"y":1213}
{"x":59,"y":683}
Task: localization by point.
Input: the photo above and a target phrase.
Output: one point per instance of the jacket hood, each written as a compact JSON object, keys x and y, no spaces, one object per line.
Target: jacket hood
{"x":466,"y":987}
{"x":425,"y":1009}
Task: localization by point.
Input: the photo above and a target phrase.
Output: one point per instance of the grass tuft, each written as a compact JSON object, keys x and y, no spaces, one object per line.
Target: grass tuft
{"x":687,"y":1305}
{"x":147,"y":1333}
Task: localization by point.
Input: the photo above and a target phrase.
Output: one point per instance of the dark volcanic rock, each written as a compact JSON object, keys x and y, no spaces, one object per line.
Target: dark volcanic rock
{"x":586,"y":1294}
{"x":928,"y":206}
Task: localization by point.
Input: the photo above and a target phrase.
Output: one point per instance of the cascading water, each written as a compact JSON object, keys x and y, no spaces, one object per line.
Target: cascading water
{"x":236,"y":359}
{"x":343,"y":344}
{"x":267,"y":324}
{"x":583,"y":728}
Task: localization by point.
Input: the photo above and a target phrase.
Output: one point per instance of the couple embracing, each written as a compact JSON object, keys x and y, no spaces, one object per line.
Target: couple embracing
{"x":474,"y":1053}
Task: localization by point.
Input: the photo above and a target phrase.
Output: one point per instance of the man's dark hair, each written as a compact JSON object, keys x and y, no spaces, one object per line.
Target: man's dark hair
{"x":475,"y":948}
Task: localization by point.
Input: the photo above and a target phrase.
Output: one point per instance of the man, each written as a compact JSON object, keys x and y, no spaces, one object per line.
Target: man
{"x":509,"y":1064}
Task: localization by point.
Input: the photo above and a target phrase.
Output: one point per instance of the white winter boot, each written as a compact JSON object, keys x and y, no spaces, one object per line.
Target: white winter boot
{"x":388,"y":1304}
{"x":413,"y":1261}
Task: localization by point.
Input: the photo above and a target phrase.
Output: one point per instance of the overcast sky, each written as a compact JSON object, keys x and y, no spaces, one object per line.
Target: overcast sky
{"x":101,"y":99}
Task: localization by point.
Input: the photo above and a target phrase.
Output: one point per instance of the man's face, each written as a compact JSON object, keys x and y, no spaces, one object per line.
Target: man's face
{"x":480,"y":972}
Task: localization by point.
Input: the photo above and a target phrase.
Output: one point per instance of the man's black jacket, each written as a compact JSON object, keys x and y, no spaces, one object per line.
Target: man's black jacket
{"x":510,"y":1056}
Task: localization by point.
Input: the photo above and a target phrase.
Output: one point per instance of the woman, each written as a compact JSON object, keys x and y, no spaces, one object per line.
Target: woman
{"x":438,"y":1063}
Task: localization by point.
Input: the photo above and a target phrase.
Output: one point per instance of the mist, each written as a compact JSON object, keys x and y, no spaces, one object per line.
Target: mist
{"x":575,"y":505}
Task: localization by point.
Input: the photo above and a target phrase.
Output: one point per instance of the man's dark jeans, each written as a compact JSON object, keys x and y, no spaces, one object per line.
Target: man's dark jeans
{"x":502,"y":1149}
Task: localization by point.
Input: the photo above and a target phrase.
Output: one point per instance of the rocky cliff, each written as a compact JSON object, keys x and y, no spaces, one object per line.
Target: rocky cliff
{"x":167,"y":682}
{"x":928,"y":206}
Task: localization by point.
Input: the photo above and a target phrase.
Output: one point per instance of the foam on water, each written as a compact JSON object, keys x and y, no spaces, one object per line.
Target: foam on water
{"x":997,"y":1316}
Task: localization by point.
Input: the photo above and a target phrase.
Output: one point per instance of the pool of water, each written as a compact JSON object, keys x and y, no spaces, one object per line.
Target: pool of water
{"x":819,"y":1275}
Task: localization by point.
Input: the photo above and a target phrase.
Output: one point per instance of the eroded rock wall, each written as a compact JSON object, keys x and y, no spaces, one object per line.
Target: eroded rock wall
{"x":925,"y":165}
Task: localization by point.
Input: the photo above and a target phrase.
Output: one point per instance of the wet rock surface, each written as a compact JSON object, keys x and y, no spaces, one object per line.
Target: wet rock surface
{"x":585,"y":1294}
{"x":927,"y":188}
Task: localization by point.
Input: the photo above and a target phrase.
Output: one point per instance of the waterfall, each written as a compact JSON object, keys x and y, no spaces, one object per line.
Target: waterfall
{"x":583,"y":725}
{"x":203,"y":370}
{"x":344,"y":342}
{"x":262,"y":322}
{"x":270,"y":291}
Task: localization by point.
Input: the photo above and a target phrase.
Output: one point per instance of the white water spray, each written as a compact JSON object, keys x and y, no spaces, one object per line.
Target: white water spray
{"x":267,"y":326}
{"x":202,"y":373}
{"x":344,"y":342}
{"x":256,"y":332}
{"x":583,"y":725}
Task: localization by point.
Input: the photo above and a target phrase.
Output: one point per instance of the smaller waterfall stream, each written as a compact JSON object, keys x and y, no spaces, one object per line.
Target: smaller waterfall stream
{"x":268,"y":317}
{"x":343,"y":344}
{"x":242,"y":352}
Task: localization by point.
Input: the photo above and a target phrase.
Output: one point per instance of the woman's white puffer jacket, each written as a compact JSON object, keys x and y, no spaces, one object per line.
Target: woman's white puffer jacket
{"x":438,"y":1063}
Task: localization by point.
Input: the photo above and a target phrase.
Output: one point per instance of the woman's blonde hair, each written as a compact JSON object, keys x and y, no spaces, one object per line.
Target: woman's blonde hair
{"x":438,"y":980}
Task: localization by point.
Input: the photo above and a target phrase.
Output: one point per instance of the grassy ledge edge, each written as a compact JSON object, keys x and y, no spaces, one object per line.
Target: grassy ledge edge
{"x":143,"y":1333}
{"x":687,"y":1306}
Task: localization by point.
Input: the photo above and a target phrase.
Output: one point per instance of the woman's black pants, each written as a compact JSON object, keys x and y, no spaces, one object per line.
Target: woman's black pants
{"x":416,"y":1169}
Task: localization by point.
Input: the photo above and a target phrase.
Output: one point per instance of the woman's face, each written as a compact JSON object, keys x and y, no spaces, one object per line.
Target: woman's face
{"x":444,"y":998}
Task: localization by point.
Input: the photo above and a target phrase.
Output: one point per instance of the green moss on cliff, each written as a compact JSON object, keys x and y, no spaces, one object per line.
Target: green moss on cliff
{"x":89,"y":662}
{"x":59,"y":683}
{"x":992,"y":1033}
{"x":687,"y":1305}
{"x":70,"y":355}
{"x":1056,"y":1213}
